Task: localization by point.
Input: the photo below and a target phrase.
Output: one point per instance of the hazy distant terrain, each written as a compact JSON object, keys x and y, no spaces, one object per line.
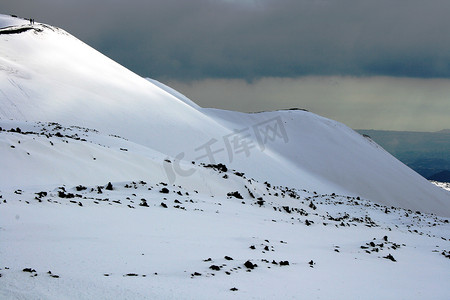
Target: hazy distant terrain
{"x":428,"y":153}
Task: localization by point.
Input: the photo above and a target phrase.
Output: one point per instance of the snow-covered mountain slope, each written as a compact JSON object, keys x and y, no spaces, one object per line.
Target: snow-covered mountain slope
{"x":42,"y":154}
{"x":147,"y":240}
{"x":47,"y":75}
{"x":332,"y":151}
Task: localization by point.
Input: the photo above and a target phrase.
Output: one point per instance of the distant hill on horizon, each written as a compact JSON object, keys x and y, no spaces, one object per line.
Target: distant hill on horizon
{"x":427,"y":153}
{"x":444,"y":131}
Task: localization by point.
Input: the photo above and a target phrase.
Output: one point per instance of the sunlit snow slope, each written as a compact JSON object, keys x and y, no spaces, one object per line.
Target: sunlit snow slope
{"x":47,"y":75}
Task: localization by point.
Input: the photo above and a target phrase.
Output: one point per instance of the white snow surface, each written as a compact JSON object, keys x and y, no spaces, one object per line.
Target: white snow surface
{"x":174,"y":93}
{"x":124,"y":244}
{"x":6,"y":21}
{"x":352,"y":221}
{"x":444,"y":185}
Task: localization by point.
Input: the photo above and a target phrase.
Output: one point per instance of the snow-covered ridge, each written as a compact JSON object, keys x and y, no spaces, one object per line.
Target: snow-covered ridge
{"x":50,"y":76}
{"x":173,"y":92}
{"x":444,"y":185}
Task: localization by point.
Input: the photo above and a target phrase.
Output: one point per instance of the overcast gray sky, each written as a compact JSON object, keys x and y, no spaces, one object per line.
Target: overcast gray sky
{"x":249,"y":47}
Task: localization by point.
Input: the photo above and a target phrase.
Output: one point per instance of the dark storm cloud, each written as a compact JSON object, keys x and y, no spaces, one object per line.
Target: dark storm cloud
{"x":251,"y":39}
